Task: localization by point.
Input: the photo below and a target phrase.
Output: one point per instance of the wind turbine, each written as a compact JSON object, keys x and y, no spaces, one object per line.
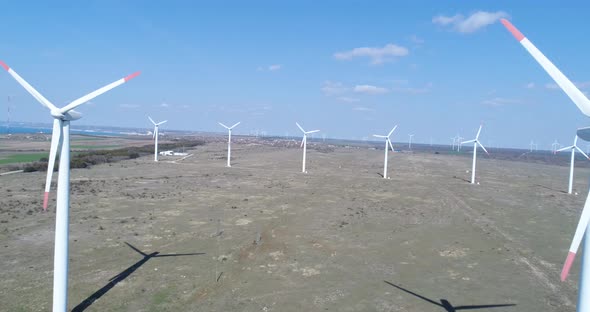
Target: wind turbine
{"x":554,"y":146}
{"x":155,"y":135}
{"x":387,"y":146}
{"x":453,"y":145}
{"x":475,"y":143}
{"x":410,"y":142}
{"x":573,"y":148}
{"x":583,"y":104}
{"x":531,"y":146}
{"x":229,"y":141}
{"x":60,"y":139}
{"x":304,"y":144}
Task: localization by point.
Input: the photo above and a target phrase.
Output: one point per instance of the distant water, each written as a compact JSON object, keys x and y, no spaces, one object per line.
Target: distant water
{"x":45,"y":130}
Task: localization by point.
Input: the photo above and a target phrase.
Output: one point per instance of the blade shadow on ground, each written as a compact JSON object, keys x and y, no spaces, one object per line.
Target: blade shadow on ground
{"x":123,"y":275}
{"x":445,"y":304}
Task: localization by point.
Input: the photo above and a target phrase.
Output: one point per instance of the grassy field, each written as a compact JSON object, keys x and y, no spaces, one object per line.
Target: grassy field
{"x":22,"y":158}
{"x":95,"y":147}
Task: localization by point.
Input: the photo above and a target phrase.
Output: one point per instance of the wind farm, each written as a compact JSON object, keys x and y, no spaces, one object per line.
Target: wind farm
{"x":257,"y":215}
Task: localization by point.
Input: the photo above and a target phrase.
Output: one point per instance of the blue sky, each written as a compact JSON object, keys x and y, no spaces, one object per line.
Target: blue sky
{"x":435,"y":68}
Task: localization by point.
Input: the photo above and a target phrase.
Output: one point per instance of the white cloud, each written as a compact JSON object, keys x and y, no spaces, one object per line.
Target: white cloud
{"x":330,"y":88}
{"x":130,"y":106}
{"x":348,"y":99}
{"x":273,"y":67}
{"x":498,"y":101}
{"x":413,"y":90}
{"x":530,"y":85}
{"x":416,"y":40}
{"x":369,"y":89}
{"x":472,"y":23}
{"x":579,"y":84}
{"x":362,"y":109}
{"x":376,"y":54}
{"x":164,"y":104}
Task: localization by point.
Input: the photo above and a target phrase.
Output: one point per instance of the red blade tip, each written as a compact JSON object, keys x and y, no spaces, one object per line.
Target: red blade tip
{"x":4,"y":65}
{"x":517,"y":34}
{"x":567,"y":265}
{"x":45,"y":201}
{"x":135,"y":74}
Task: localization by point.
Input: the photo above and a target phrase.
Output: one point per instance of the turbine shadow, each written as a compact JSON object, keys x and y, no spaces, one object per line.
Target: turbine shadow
{"x":549,"y":188}
{"x":123,"y":275}
{"x":445,"y":304}
{"x":462,"y":179}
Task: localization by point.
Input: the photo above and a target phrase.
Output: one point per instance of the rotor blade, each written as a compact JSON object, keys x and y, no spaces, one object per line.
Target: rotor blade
{"x":300,"y":127}
{"x":379,"y":136}
{"x":162,"y":122}
{"x":465,"y":142}
{"x":150,"y":118}
{"x":235,"y":125}
{"x":155,"y":132}
{"x":303,"y":140}
{"x":45,"y":102}
{"x":390,"y":145}
{"x":582,"y":224}
{"x":96,"y":93}
{"x":312,"y":131}
{"x":478,"y":132}
{"x":390,"y":132}
{"x":582,"y":152}
{"x":55,"y":140}
{"x":484,"y":149}
{"x":226,"y":127}
{"x":565,"y":148}
{"x":564,"y":83}
{"x":575,"y":140}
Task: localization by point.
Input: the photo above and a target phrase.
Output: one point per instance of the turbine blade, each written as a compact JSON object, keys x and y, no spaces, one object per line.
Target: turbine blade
{"x":155,"y":132}
{"x":237,"y":123}
{"x":582,"y":224}
{"x":45,"y":102}
{"x":391,"y":132}
{"x":481,"y":145}
{"x":226,"y":127}
{"x":312,"y":131}
{"x":562,"y":81}
{"x":379,"y":136}
{"x":565,"y":148}
{"x":582,"y":152}
{"x":390,"y":145}
{"x":478,"y":132}
{"x":162,"y":122}
{"x":150,"y":118}
{"x":470,"y":141}
{"x":55,"y":142}
{"x":96,"y":93}
{"x":303,"y":141}
{"x":300,"y":128}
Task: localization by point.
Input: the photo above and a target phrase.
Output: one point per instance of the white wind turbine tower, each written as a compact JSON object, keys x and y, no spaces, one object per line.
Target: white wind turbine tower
{"x":61,"y":136}
{"x":583,"y":104}
{"x":304,"y":144}
{"x":387,"y":146}
{"x":410,"y":142}
{"x":156,"y":135}
{"x":573,"y":148}
{"x":475,"y":144}
{"x":229,"y":141}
